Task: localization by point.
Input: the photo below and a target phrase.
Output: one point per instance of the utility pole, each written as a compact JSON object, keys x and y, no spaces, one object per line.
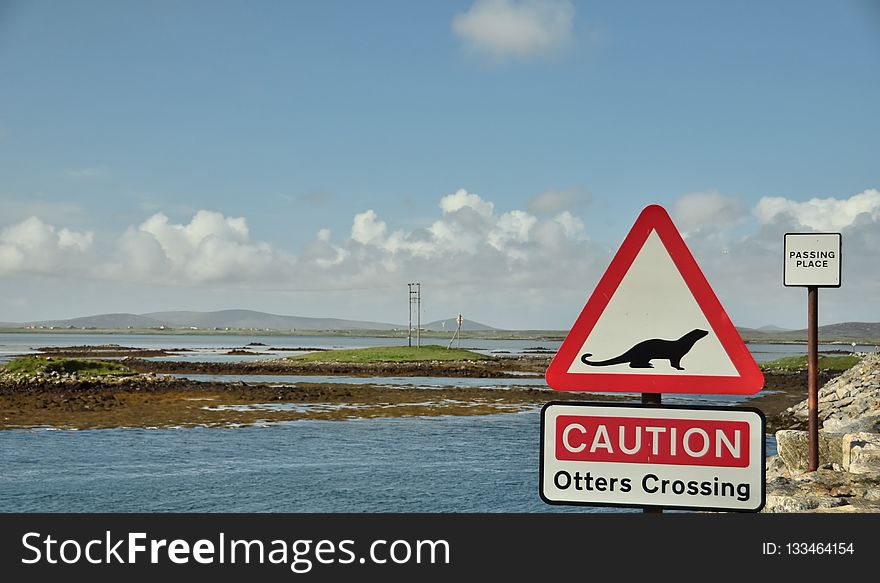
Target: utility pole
{"x":415,"y":297}
{"x":457,"y":332}
{"x":409,"y":302}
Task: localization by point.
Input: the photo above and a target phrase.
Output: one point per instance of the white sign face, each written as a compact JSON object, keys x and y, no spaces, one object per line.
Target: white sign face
{"x":653,"y":301}
{"x":653,"y":325}
{"x":812,"y":259}
{"x":672,"y":457}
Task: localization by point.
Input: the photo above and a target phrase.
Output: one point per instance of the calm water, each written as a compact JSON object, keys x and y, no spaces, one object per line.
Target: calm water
{"x":440,"y":464}
{"x":429,"y":383}
{"x":213,"y":348}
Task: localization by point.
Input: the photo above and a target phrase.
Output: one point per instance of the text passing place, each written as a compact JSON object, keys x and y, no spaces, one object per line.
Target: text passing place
{"x":812,"y":259}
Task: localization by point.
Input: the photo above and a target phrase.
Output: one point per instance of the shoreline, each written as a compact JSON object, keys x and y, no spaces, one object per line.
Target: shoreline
{"x":155,"y":401}
{"x":537,"y":335}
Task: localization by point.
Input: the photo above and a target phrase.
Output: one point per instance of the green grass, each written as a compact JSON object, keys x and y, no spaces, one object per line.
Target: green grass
{"x":30,"y":365}
{"x":794,"y":363}
{"x":391,"y":354}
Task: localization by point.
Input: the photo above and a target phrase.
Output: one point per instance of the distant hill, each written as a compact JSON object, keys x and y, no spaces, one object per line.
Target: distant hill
{"x":254,"y":319}
{"x":450,"y":324}
{"x":103,"y":321}
{"x":862,"y":332}
{"x":772,"y":328}
{"x":844,"y":332}
{"x":232,"y":319}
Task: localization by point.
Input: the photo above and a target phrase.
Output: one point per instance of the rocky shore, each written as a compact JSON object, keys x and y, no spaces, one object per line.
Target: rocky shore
{"x":148,"y":400}
{"x":156,"y":400}
{"x":849,"y":448}
{"x":509,"y":367}
{"x":148,"y":397}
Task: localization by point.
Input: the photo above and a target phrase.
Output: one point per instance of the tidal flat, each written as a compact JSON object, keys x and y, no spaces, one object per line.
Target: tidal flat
{"x":145,"y":393}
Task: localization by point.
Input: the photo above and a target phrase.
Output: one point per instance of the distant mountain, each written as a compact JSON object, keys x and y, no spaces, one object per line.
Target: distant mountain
{"x":103,"y":321}
{"x":863,"y":332}
{"x":772,"y":328}
{"x":843,"y":332}
{"x":232,"y":319}
{"x":451,"y":324}
{"x":254,"y":319}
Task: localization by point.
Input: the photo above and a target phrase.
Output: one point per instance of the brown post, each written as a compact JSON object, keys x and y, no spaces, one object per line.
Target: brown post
{"x":652,"y":399}
{"x":813,"y":376}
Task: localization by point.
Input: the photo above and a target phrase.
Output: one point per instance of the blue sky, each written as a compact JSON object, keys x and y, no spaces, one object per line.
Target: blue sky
{"x":299,"y":116}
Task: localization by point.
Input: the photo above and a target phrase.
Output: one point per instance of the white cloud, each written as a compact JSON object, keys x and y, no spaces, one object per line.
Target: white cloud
{"x":515,"y":29}
{"x":33,"y":246}
{"x":745,"y":269}
{"x":706,"y":210}
{"x":469,"y":241}
{"x":551,"y":202}
{"x":463,"y":199}
{"x":572,"y":226}
{"x":210,"y":249}
{"x":514,"y":268}
{"x":511,"y":228}
{"x":367,"y":229}
{"x":821,"y":214}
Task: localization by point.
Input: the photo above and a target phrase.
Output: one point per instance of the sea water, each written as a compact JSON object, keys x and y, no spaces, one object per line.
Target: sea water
{"x":421,"y":464}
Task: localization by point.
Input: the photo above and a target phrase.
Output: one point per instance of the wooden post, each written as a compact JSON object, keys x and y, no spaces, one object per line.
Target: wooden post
{"x":813,"y":376}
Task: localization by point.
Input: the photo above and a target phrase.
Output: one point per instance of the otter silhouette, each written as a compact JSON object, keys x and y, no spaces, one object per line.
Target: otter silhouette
{"x":640,"y":355}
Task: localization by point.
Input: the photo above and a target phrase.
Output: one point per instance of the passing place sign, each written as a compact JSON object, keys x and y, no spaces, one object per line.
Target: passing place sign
{"x":812,"y":260}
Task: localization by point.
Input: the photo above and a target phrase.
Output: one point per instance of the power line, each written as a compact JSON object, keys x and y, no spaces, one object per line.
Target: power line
{"x":415,"y":298}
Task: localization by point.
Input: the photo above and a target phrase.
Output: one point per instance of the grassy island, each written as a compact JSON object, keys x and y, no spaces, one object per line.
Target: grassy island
{"x":430,"y":352}
{"x":35,"y":365}
{"x":799,"y":363}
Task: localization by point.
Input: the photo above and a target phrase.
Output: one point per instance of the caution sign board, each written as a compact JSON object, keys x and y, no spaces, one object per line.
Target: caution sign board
{"x":654,"y":325}
{"x":670,"y":456}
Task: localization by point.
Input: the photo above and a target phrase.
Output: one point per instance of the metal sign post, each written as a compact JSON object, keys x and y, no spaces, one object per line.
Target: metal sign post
{"x":813,"y":376}
{"x":812,"y":260}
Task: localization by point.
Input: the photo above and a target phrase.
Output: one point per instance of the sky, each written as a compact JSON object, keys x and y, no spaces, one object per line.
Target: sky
{"x":312,"y":158}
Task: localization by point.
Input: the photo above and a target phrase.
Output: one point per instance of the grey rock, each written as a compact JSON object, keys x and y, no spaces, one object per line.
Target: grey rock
{"x":776,"y":468}
{"x":824,"y":491}
{"x":780,"y":503}
{"x":849,"y":449}
{"x":869,"y":423}
{"x":861,"y":453}
{"x":793,"y":448}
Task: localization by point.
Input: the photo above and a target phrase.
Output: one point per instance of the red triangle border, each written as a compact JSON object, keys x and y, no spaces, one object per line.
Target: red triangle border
{"x":655,"y":218}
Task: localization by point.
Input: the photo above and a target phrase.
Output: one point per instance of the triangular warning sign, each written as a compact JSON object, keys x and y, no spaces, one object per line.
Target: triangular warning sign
{"x":653,"y":325}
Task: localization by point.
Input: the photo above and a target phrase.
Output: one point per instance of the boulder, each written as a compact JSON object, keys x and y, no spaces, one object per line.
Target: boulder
{"x":861,"y":452}
{"x":776,"y":468}
{"x":849,"y":449}
{"x":868,"y":423}
{"x":845,"y":399}
{"x":793,"y":447}
{"x":824,"y":491}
